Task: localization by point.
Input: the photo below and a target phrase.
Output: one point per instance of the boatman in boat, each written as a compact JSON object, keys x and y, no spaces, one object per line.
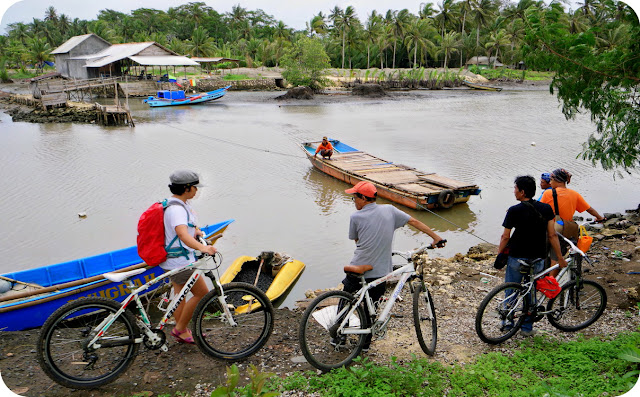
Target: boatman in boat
{"x":372,"y":227}
{"x":325,"y":149}
{"x":180,"y":232}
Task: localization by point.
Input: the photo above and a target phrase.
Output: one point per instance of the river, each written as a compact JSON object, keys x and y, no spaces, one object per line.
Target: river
{"x":245,"y":147}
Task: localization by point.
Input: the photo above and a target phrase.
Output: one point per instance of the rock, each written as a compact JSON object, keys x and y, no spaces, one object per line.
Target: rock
{"x":369,"y":90}
{"x":631,"y":230}
{"x":611,"y":215}
{"x":482,"y":248}
{"x":300,"y":92}
{"x":612,"y":232}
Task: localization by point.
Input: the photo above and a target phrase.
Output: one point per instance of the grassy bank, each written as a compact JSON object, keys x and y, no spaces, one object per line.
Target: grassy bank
{"x":586,"y":367}
{"x":512,"y":74}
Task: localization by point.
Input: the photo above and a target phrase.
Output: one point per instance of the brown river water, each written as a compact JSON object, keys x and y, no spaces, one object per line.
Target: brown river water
{"x":245,"y":147}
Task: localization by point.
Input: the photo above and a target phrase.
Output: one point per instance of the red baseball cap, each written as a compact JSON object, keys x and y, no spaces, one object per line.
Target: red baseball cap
{"x":364,"y":188}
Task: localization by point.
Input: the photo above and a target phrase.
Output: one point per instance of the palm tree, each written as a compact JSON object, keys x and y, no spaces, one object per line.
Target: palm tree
{"x":384,"y":43}
{"x":416,"y":36}
{"x":399,"y":23}
{"x":447,"y":14}
{"x":426,"y":10}
{"x":51,"y":14}
{"x":372,"y":29}
{"x":495,"y":42}
{"x":483,"y":13}
{"x":201,"y":45}
{"x":318,"y":24}
{"x":38,"y":50}
{"x":448,"y":45}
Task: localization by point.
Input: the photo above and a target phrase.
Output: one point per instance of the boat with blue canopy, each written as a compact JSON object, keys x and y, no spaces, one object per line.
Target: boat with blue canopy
{"x":178,"y":97}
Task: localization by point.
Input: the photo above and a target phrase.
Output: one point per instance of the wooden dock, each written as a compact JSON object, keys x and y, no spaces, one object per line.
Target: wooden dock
{"x":115,"y":115}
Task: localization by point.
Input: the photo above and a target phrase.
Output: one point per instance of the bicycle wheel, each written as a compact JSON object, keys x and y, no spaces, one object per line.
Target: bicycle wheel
{"x":322,"y":345}
{"x":501,"y":313}
{"x":253,"y":316}
{"x":424,"y":318}
{"x":61,"y":352}
{"x":578,"y":305}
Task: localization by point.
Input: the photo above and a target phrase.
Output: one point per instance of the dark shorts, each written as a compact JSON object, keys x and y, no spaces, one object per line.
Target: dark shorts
{"x":182,"y":277}
{"x":326,"y":153}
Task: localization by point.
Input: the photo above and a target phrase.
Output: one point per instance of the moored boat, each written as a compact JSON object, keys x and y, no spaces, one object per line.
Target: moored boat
{"x":178,"y":97}
{"x":480,"y":86}
{"x":395,"y":182}
{"x":36,"y":293}
{"x":273,"y":273}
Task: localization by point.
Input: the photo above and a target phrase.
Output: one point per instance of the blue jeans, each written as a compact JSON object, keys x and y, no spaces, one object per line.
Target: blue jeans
{"x":512,"y":274}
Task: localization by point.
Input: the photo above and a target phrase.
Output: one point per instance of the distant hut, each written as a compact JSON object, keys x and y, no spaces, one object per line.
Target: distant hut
{"x":89,"y":56}
{"x":70,"y":57}
{"x":484,"y":62}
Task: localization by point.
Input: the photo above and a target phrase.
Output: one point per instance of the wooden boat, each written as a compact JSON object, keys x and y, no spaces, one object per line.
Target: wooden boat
{"x":271,"y":272}
{"x":480,"y":86}
{"x":395,"y":182}
{"x":176,"y":98}
{"x":52,"y":286}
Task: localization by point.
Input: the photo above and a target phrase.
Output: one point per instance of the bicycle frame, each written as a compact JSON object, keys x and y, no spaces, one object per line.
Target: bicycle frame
{"x":144,"y":323}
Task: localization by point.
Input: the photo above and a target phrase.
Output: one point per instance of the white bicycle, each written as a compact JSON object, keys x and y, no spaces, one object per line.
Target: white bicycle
{"x":334,"y":327}
{"x":90,"y":342}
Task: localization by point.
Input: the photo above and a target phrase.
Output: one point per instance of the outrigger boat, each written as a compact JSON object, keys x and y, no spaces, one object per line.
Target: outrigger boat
{"x":273,"y":273}
{"x":395,"y":182}
{"x":36,"y":293}
{"x":480,"y":86}
{"x":176,"y":98}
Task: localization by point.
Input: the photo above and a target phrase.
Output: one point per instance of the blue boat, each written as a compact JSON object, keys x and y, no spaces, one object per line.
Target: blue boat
{"x":58,"y":284}
{"x":177,"y":98}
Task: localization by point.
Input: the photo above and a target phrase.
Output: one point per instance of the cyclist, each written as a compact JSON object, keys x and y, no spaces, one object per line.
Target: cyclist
{"x":180,"y":232}
{"x":533,"y":223}
{"x":372,"y":227}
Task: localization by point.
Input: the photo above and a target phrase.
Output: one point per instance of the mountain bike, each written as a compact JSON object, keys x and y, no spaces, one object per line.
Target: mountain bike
{"x":334,"y":327}
{"x":90,"y":342}
{"x":579,"y":304}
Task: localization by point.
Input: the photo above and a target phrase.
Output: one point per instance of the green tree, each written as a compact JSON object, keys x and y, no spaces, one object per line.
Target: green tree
{"x":39,"y":51}
{"x":604,"y":80}
{"x":306,"y":64}
{"x":201,"y":45}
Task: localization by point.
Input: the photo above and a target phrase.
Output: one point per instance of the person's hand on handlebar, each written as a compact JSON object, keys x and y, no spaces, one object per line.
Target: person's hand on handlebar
{"x":206,"y":248}
{"x":438,"y":243}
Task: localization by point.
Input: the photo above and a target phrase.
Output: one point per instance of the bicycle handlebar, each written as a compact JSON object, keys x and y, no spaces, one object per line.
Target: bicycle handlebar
{"x":409,"y":254}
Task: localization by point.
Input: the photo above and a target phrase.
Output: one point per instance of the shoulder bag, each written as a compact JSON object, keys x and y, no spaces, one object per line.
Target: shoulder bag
{"x":567,"y":228}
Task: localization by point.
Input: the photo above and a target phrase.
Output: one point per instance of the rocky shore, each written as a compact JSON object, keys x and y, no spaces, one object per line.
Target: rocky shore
{"x":458,"y":285}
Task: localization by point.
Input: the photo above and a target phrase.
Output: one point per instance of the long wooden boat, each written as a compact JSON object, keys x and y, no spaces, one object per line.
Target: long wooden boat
{"x":54,"y":285}
{"x":178,"y":97}
{"x":480,"y":86}
{"x":395,"y":182}
{"x":273,"y":273}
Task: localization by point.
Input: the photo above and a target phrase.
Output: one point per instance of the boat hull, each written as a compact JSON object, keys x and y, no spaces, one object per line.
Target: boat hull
{"x":387,"y":189}
{"x":480,"y":86}
{"x":30,"y":310}
{"x":282,"y":282}
{"x":190,"y":100}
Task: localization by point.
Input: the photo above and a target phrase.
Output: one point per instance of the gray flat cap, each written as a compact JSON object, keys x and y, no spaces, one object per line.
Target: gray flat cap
{"x":185,"y":177}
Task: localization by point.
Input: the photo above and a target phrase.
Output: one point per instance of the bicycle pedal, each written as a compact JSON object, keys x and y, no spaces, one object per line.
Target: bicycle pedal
{"x":393,"y":315}
{"x":164,"y":348}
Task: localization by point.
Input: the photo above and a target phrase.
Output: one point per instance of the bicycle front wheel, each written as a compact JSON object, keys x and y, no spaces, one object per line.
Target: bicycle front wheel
{"x":424,"y":318}
{"x":501,"y":313}
{"x":578,"y":305}
{"x":61,"y":347}
{"x":242,"y":335}
{"x":322,"y":344}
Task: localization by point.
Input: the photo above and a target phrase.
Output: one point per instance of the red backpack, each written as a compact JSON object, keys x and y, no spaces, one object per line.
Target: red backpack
{"x":151,"y":247}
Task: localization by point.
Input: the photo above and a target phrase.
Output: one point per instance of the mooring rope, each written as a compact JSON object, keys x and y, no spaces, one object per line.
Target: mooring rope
{"x":237,"y":144}
{"x":446,"y":220}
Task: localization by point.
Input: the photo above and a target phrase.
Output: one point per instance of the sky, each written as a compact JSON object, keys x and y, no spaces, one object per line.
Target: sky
{"x":294,"y":13}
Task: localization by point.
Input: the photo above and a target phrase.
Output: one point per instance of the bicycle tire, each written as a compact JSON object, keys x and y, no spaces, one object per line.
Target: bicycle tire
{"x":424,"y":319}
{"x":496,"y":323}
{"x":322,"y":350}
{"x":252,"y":312}
{"x":60,"y":350}
{"x":577,"y":307}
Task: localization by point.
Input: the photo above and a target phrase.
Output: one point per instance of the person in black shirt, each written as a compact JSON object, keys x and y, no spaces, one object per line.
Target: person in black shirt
{"x":533,"y":224}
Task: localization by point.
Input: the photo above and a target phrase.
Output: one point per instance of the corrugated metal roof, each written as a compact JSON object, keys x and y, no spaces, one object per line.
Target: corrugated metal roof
{"x":168,"y":60}
{"x":117,"y":52}
{"x":74,"y":41}
{"x":215,"y":59}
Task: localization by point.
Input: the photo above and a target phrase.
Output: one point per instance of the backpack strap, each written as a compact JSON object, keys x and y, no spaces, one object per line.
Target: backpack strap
{"x":533,"y":207}
{"x":180,"y":250}
{"x":555,"y":201}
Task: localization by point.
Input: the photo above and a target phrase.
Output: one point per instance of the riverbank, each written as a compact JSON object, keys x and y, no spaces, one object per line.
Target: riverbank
{"x":458,"y":284}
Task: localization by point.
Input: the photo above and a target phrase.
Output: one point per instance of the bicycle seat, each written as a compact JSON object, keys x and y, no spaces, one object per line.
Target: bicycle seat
{"x":118,"y":277}
{"x":357,"y":270}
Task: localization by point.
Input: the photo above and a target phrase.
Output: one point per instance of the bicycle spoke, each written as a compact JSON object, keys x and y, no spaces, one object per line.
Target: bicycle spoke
{"x":576,"y":307}
{"x":501,"y":313}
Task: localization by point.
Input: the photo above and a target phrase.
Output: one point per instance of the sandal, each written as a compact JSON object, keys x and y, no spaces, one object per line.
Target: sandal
{"x":176,"y":334}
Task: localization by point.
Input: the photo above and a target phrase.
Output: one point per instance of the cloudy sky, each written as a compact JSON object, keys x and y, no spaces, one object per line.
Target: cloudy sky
{"x":294,"y":13}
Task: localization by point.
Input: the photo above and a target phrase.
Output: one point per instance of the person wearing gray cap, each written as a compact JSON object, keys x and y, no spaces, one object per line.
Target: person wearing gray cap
{"x":181,"y":234}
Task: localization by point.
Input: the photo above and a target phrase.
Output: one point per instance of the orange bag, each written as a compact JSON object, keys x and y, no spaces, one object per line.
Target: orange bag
{"x":584,"y":241}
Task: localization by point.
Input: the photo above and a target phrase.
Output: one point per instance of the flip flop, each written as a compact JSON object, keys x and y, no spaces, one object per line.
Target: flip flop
{"x":179,"y":339}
